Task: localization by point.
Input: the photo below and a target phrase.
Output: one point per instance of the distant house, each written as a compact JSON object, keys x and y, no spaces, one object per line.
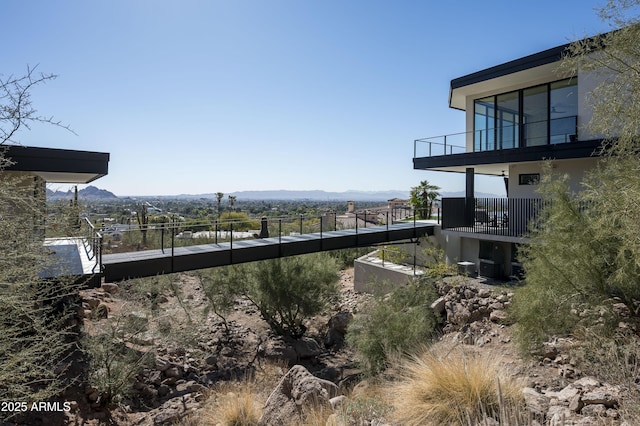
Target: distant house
{"x":519,"y":114}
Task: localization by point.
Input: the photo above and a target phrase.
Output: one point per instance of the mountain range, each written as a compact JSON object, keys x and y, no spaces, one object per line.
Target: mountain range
{"x":88,"y":193}
{"x":91,"y":192}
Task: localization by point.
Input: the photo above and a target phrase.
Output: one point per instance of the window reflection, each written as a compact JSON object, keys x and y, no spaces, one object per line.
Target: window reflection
{"x":534,"y":116}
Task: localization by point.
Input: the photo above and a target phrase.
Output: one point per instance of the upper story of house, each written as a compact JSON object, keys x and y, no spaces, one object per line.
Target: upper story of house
{"x":57,"y":165}
{"x":517,"y":114}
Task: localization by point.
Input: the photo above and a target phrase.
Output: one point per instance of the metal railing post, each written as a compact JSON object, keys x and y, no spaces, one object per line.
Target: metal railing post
{"x":162,"y":237}
{"x":301,"y":223}
{"x":173,"y":235}
{"x":279,"y":237}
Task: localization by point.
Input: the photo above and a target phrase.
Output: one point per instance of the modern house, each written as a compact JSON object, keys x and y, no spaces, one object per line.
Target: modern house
{"x":519,"y":115}
{"x":75,"y":255}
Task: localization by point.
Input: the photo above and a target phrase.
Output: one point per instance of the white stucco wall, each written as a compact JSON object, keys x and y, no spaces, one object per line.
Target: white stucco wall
{"x":575,"y":169}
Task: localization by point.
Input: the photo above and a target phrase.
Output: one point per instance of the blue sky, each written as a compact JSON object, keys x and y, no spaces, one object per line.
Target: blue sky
{"x":197,"y":96}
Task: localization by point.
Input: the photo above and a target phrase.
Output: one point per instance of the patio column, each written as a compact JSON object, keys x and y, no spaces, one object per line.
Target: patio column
{"x":470,"y":205}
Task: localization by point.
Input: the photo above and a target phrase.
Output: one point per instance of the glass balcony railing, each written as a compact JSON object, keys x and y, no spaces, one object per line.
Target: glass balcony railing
{"x":554,"y":131}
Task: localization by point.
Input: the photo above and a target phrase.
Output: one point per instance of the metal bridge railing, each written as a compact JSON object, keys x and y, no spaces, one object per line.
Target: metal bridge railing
{"x":167,"y":236}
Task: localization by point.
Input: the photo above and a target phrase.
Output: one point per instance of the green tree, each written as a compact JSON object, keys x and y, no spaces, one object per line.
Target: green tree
{"x":585,"y":253}
{"x":286,"y":291}
{"x":422,"y":198}
{"x":219,"y":196}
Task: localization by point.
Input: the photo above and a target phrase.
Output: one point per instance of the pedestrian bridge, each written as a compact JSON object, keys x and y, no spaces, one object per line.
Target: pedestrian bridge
{"x":120,"y":266}
{"x":115,"y":267}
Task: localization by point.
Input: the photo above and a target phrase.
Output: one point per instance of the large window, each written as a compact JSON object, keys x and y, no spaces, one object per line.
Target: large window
{"x":564,"y":109}
{"x":507,"y":120}
{"x":484,"y":124}
{"x":535,"y":113}
{"x":533,"y":116}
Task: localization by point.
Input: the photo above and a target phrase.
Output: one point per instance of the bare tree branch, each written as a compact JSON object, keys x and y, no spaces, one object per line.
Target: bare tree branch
{"x":16,"y":109}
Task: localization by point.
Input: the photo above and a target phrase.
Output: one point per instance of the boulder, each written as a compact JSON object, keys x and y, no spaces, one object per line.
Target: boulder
{"x":295,"y":393}
{"x":110,"y":288}
{"x":307,"y":348}
{"x":337,"y":328}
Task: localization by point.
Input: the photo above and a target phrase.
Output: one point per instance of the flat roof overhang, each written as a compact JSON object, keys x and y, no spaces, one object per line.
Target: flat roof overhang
{"x":58,"y":165}
{"x":498,"y":161}
{"x":539,"y":68}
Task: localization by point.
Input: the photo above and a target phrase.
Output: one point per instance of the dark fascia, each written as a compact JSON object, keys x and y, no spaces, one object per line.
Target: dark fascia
{"x":527,"y":62}
{"x":53,"y":160}
{"x":564,"y":151}
{"x":531,"y":61}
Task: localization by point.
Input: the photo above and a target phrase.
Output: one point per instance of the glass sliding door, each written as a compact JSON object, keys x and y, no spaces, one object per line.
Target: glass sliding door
{"x":508,"y":120}
{"x":484,"y":124}
{"x":539,"y":115}
{"x":563,"y":101}
{"x":535,"y":115}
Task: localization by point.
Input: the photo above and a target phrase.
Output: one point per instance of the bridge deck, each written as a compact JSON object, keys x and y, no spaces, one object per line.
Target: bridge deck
{"x":147,"y":263}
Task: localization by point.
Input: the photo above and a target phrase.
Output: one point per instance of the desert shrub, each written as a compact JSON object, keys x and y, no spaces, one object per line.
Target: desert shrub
{"x":148,"y":291}
{"x":219,"y":285}
{"x":37,"y":332}
{"x":393,"y":254}
{"x":397,"y":322}
{"x":286,"y":291}
{"x":238,"y":221}
{"x":614,"y":359}
{"x":361,"y":410}
{"x":346,"y":257}
{"x":112,"y":355}
{"x":577,"y":263}
{"x":452,"y":386}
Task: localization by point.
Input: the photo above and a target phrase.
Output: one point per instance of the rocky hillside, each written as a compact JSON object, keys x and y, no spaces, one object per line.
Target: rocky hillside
{"x":199,"y":367}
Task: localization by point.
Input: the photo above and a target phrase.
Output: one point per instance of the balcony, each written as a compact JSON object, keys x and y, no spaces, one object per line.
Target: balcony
{"x":493,"y":150}
{"x":503,"y":217}
{"x":513,"y":136}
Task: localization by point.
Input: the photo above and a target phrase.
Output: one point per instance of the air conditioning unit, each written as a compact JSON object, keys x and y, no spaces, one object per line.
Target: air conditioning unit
{"x":490,"y":269}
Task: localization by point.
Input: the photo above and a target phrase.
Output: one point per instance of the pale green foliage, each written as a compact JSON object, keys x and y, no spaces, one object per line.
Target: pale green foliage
{"x":286,"y":291}
{"x":113,"y":359}
{"x":393,"y":323}
{"x":615,"y":100}
{"x":221,"y":288}
{"x":36,"y":314}
{"x":238,"y":221}
{"x":37,"y":337}
{"x":587,"y":248}
{"x":422,"y":198}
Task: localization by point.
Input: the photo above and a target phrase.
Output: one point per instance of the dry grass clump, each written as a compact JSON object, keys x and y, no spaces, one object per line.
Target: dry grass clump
{"x":455,"y":386}
{"x":231,"y":404}
{"x":239,"y":402}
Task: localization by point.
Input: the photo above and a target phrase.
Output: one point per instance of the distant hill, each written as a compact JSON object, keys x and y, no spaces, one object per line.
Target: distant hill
{"x":88,"y":193}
